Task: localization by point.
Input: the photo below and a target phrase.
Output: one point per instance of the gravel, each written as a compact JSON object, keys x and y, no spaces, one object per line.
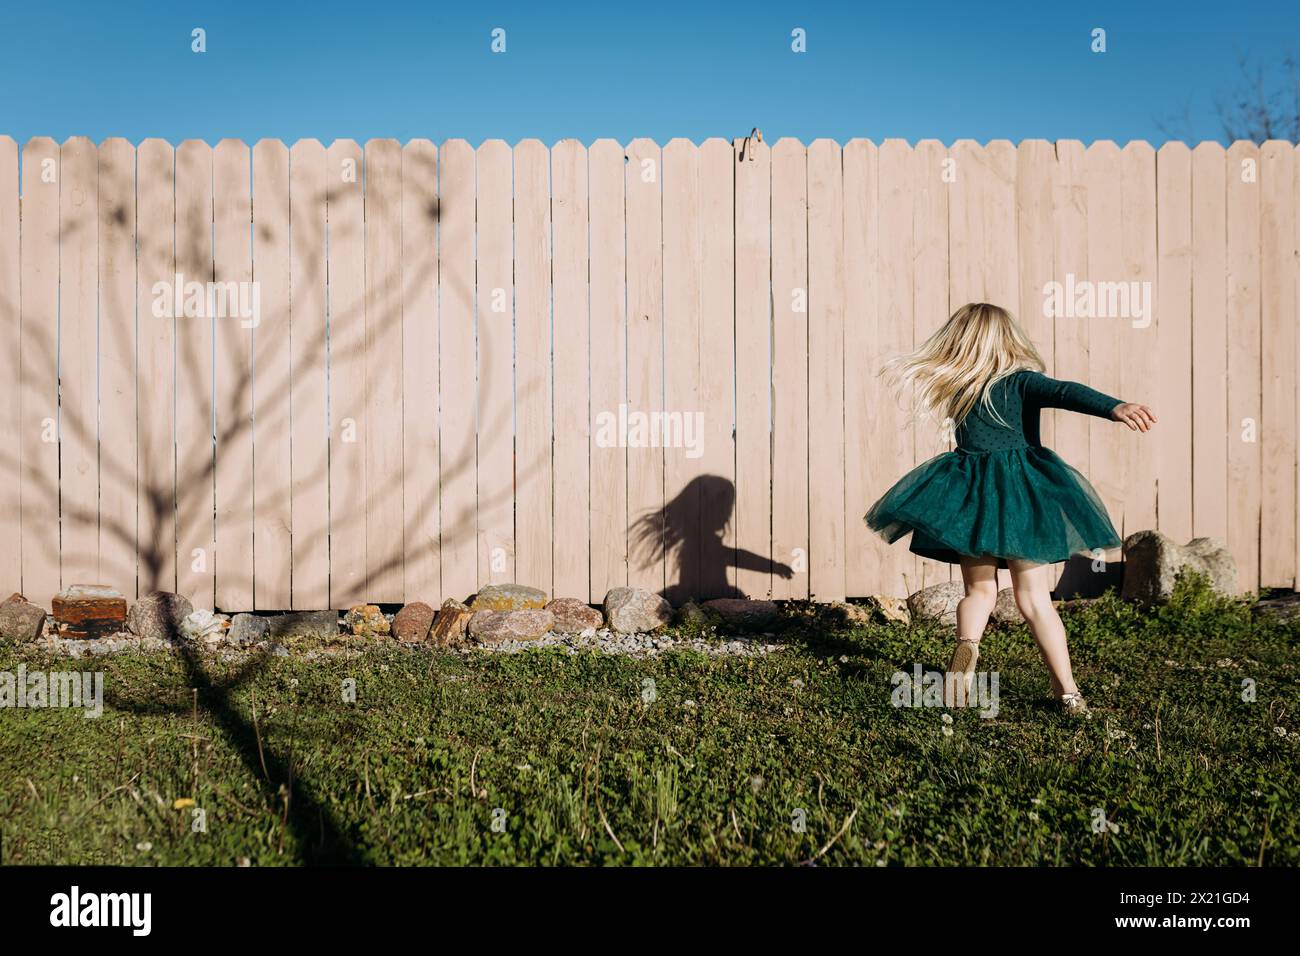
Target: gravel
{"x":639,"y":645}
{"x":602,"y":641}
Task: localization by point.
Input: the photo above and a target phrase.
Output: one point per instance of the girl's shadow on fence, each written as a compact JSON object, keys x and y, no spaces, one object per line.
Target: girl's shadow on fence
{"x":689,"y":534}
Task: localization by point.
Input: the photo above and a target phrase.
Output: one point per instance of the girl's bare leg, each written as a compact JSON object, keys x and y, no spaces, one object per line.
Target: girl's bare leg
{"x":1032,"y":585}
{"x":980,"y":577}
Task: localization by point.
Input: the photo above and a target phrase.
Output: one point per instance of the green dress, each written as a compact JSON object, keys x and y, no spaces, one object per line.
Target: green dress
{"x":1001,"y":493}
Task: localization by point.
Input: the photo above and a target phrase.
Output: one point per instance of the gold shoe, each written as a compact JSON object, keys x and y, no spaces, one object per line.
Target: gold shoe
{"x":1072,"y":705}
{"x":961,"y":672}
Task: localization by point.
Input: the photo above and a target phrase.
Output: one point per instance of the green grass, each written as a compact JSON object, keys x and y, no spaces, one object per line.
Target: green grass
{"x":581,"y":770}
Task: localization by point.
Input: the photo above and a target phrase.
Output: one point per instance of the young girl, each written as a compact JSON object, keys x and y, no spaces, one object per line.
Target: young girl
{"x":1001,"y":500}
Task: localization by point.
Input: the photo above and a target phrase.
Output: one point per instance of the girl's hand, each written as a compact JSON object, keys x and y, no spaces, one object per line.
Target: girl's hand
{"x":1137,"y":417}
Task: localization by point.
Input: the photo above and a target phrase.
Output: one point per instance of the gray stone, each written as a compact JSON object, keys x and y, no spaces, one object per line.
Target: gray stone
{"x":636,"y":611}
{"x":1153,"y":561}
{"x":937,"y":603}
{"x":493,"y":627}
{"x":451,"y":625}
{"x":1285,"y":608}
{"x":573,"y":616}
{"x":741,"y":614}
{"x":693,"y":616}
{"x":320,"y":625}
{"x":21,"y":621}
{"x":159,"y":615}
{"x":247,"y":629}
{"x":508,"y":597}
{"x":206,"y":626}
{"x":1005,"y":610}
{"x":411,"y":624}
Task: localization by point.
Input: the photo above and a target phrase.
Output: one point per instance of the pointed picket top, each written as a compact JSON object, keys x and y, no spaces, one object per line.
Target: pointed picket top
{"x":681,"y":150}
{"x":383,"y":144}
{"x":823,"y":145}
{"x":531,"y":149}
{"x":270,"y":144}
{"x":1173,"y":147}
{"x":306,"y":152}
{"x":1209,"y":146}
{"x":117,"y":153}
{"x":492,"y":147}
{"x":1273,"y":148}
{"x":1138,"y":146}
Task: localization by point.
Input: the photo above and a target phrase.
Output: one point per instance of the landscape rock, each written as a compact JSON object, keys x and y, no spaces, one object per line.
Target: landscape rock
{"x":247,"y":629}
{"x":492,"y":627}
{"x":1005,"y":610}
{"x":411,"y":624}
{"x":876,"y":609}
{"x":937,"y":603}
{"x":573,"y":616}
{"x":366,"y":620}
{"x":1153,"y":561}
{"x":636,"y":611}
{"x":451,"y":624}
{"x":21,"y":621}
{"x":508,"y":597}
{"x":742,"y":614}
{"x":90,"y":610}
{"x":1284,"y":608}
{"x":206,"y":626}
{"x":159,"y":615}
{"x":317,"y":625}
{"x":14,"y":598}
{"x":692,"y":615}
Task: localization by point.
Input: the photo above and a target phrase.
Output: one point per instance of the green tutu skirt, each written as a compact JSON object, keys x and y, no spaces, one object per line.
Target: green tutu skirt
{"x":1022,"y":503}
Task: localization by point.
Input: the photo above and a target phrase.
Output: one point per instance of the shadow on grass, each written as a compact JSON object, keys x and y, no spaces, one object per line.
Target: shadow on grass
{"x":317,"y":836}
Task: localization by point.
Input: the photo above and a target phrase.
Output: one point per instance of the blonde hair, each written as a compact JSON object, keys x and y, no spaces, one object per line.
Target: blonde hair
{"x":956,"y":367}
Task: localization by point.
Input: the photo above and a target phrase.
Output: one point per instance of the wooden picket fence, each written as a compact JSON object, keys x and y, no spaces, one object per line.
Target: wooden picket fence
{"x":443,"y":333}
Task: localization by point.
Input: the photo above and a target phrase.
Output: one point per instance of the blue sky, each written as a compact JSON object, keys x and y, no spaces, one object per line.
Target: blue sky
{"x":365,"y":68}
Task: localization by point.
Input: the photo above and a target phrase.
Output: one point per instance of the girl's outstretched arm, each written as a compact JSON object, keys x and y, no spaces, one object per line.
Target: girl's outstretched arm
{"x":1072,"y":396}
{"x":1075,"y":397}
